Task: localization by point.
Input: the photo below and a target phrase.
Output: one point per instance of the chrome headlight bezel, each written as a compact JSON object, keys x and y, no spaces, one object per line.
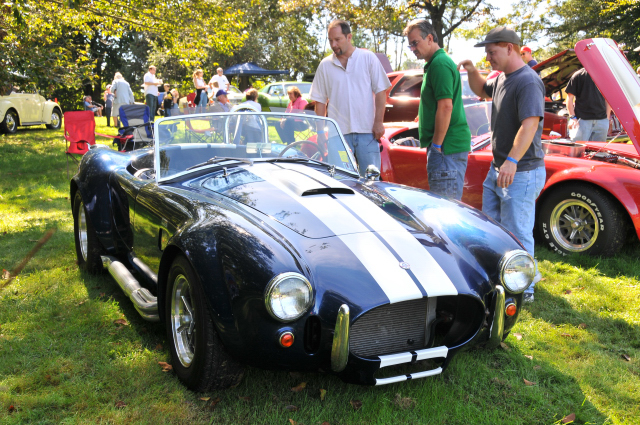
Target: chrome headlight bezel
{"x":507,"y":262}
{"x":275,"y":283}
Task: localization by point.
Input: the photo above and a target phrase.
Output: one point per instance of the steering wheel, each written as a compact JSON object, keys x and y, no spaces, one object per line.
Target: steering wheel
{"x":319,"y":148}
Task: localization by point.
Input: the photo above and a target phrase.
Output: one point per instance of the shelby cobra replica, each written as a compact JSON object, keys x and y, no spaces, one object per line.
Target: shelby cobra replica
{"x":279,"y":255}
{"x":590,"y":201}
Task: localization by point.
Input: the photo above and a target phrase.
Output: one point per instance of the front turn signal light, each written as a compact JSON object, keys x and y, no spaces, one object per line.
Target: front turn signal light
{"x":510,"y":309}
{"x":286,"y":339}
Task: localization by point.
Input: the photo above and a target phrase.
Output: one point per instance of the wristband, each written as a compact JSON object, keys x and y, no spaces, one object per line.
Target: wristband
{"x":574,"y":117}
{"x":436,"y":146}
{"x":515,"y":161}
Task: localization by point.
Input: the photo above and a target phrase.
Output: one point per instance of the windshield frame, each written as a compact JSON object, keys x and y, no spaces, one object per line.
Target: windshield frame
{"x":263,"y":115}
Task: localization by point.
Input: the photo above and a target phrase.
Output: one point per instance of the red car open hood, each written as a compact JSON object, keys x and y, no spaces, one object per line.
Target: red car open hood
{"x":616,"y":80}
{"x":565,"y":64}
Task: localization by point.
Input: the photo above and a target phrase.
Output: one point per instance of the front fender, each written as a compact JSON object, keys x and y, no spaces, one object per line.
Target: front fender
{"x":5,"y":105}
{"x":619,"y":181}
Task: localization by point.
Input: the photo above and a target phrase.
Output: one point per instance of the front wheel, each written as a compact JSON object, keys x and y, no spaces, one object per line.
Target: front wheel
{"x":197,"y":354}
{"x":10,"y":123}
{"x":56,"y":120}
{"x":582,"y":219}
{"x":88,"y":248}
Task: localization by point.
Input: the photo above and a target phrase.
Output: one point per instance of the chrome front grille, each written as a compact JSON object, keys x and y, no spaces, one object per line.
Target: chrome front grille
{"x":392,"y":328}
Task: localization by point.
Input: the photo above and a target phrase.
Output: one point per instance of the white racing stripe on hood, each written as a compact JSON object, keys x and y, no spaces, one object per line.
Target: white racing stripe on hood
{"x":379,"y":261}
{"x":428,"y":272}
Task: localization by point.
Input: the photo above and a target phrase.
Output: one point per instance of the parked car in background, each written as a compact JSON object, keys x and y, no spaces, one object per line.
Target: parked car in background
{"x":275,"y":94}
{"x":234,"y":95}
{"x":592,"y":194}
{"x":403,"y":97}
{"x":25,"y":109}
{"x":251,"y":251}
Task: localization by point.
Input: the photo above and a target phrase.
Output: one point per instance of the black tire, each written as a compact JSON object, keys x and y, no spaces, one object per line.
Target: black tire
{"x":197,"y":355}
{"x":56,"y":120}
{"x":9,"y":124}
{"x":88,"y":247}
{"x":579,"y":218}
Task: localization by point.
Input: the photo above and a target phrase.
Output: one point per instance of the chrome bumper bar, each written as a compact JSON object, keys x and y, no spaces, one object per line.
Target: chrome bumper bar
{"x":410,"y":357}
{"x":497,"y":324}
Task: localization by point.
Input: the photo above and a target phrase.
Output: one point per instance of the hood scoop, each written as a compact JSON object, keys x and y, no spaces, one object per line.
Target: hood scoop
{"x":305,"y":185}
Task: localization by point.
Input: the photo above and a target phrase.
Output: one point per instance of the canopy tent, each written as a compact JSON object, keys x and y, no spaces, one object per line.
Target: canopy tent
{"x":244,"y":70}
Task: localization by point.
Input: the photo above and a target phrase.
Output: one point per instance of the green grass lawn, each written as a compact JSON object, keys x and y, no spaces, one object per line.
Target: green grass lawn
{"x":65,"y":359}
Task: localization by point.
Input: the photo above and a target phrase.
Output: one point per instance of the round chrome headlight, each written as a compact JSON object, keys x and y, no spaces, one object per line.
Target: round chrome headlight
{"x":288,"y":296}
{"x":517,"y":270}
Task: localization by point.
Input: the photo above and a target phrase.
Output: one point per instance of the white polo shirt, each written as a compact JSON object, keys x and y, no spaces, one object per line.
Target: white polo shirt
{"x":150,"y":89}
{"x":222,"y":82}
{"x":350,"y":92}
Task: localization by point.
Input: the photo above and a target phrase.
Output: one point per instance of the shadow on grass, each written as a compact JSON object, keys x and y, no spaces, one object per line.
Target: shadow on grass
{"x":625,"y":263}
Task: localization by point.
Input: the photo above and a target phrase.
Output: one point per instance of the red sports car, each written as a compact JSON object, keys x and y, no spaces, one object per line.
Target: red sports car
{"x":591,"y":197}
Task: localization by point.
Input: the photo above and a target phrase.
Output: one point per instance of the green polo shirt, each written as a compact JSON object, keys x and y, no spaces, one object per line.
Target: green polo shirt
{"x":441,"y":80}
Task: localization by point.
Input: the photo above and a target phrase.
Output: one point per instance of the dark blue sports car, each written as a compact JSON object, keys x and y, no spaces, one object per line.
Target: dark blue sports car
{"x":276,"y":253}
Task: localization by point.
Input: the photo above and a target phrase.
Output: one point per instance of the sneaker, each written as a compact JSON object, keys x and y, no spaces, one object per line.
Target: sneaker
{"x":527,"y":298}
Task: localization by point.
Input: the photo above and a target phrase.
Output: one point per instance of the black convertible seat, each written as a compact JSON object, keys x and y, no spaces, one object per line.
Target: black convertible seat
{"x":180,"y":157}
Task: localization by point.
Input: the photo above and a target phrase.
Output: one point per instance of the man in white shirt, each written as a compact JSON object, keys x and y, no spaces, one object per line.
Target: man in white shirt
{"x":223,"y":83}
{"x":151,"y":84}
{"x":353,"y":84}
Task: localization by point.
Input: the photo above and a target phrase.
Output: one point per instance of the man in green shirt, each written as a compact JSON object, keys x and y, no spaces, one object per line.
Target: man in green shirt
{"x":442,"y":126}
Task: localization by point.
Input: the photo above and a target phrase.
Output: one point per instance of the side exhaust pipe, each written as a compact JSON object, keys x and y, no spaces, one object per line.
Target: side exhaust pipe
{"x":143,"y":300}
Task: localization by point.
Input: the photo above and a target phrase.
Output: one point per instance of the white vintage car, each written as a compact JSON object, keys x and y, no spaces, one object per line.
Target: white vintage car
{"x":28,"y":109}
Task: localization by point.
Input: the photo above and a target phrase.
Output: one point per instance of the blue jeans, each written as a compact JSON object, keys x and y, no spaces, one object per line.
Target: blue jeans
{"x":446,"y":172}
{"x":515,"y":206}
{"x":152,"y":102}
{"x":365,"y":148}
{"x":592,"y":130}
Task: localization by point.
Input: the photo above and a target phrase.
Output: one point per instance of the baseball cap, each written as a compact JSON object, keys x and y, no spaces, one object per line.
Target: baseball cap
{"x":108,"y":86}
{"x":498,"y":35}
{"x":525,"y":49}
{"x":220,"y":93}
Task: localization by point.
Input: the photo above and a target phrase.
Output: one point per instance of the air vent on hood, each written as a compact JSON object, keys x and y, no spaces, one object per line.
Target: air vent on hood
{"x":328,"y":191}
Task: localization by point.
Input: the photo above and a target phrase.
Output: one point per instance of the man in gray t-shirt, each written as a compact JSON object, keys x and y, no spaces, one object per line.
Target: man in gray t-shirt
{"x":517,"y":174}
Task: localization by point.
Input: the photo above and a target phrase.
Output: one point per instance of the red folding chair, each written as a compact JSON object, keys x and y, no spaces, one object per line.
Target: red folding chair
{"x":191,"y":99}
{"x":79,"y":133}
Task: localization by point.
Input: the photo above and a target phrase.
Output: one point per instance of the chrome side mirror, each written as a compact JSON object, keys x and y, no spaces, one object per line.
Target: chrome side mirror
{"x":372,"y":173}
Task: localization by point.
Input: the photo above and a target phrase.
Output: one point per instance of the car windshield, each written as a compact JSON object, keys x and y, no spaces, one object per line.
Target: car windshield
{"x":305,"y":88}
{"x":233,"y":89}
{"x":479,"y":118}
{"x":186,"y":143}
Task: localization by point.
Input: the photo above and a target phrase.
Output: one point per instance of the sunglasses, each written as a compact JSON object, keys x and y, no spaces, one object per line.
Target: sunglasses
{"x":413,"y":44}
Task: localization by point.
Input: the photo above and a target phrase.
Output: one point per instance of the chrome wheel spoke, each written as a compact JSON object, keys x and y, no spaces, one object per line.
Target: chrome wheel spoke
{"x":573,"y":224}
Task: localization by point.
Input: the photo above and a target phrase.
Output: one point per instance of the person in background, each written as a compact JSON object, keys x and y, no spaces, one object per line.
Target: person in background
{"x":442,"y":124}
{"x":151,"y":84}
{"x":517,"y":174}
{"x":527,"y":57}
{"x":162,"y":94}
{"x":355,"y":98}
{"x":90,"y":105}
{"x":252,"y":95}
{"x":108,"y":103}
{"x":638,"y":72}
{"x":221,"y":80}
{"x":167,"y":101}
{"x":201,"y":99}
{"x":223,"y":100}
{"x":252,"y":130}
{"x":289,"y":125}
{"x":122,"y":95}
{"x":588,"y":109}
